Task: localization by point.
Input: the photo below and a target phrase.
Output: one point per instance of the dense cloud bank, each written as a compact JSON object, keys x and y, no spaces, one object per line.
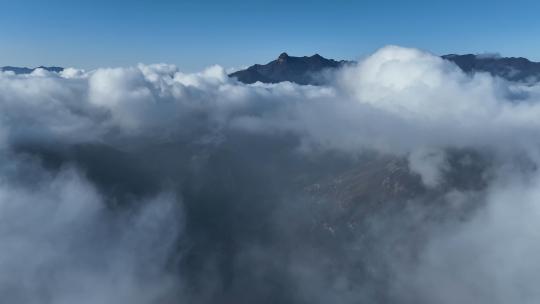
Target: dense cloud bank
{"x":402,"y":181}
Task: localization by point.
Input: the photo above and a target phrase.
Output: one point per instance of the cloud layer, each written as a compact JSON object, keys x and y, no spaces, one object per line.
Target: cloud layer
{"x":404,"y":180}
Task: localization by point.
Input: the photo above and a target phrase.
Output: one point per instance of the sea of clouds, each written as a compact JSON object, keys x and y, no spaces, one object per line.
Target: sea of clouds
{"x":149,"y":185}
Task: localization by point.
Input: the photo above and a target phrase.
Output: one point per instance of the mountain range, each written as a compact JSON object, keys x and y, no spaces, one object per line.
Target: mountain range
{"x":312,"y":70}
{"x":25,"y":70}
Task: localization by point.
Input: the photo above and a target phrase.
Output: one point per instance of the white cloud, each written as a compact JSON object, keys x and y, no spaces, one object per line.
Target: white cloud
{"x":398,"y":101}
{"x":61,"y":244}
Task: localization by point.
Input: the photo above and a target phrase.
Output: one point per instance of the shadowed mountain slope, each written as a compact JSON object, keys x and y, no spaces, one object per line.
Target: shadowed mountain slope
{"x":301,"y":70}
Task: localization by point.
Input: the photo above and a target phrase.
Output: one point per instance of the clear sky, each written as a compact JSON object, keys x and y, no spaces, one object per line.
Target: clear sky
{"x":233,"y":33}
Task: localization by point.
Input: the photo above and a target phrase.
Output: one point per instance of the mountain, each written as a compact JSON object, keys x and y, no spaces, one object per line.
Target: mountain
{"x":25,"y":70}
{"x":310,"y":70}
{"x":301,"y":70}
{"x":511,"y":68}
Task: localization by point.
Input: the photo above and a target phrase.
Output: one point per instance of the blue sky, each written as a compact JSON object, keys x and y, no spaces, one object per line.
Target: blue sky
{"x":195,"y":34}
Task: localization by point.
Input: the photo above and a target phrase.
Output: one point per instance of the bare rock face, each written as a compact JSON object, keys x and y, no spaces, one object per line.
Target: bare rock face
{"x":381,"y":179}
{"x":384,"y":185}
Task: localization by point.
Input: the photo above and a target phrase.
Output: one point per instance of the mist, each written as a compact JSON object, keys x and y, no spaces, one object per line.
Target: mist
{"x":402,"y":180}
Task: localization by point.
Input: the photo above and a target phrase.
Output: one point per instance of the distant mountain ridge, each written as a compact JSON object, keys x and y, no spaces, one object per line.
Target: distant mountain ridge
{"x":301,"y":70}
{"x":510,"y":68}
{"x":25,"y":70}
{"x":310,"y":70}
